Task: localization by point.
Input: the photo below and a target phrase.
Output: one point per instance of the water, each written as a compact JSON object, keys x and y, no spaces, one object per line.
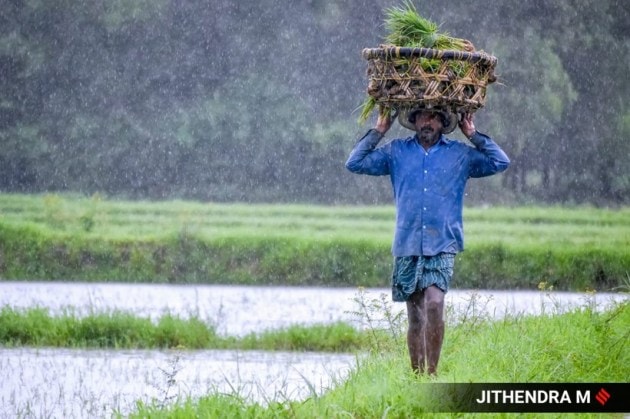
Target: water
{"x":94,"y":383}
{"x":238,"y":310}
{"x":68,"y":383}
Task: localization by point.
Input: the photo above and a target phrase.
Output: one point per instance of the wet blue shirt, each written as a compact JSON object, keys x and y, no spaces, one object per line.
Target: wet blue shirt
{"x":428,"y":186}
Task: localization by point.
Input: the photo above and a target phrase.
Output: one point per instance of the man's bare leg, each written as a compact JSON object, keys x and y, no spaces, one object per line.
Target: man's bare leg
{"x":425,"y":312}
{"x":416,"y":333}
{"x":434,"y":335}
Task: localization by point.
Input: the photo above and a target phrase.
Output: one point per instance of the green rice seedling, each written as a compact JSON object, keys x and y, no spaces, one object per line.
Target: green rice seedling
{"x":366,"y":108}
{"x":407,"y":28}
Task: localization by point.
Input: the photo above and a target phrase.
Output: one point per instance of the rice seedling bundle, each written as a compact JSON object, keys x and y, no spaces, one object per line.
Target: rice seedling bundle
{"x":418,"y":66}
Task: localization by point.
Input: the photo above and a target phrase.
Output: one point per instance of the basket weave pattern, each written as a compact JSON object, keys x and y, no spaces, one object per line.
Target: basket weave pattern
{"x":397,"y":78}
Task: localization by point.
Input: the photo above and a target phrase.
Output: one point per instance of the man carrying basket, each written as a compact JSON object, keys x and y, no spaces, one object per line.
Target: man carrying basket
{"x":428,"y":172}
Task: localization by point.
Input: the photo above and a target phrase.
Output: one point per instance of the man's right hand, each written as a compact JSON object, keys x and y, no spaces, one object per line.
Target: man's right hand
{"x":384,"y":122}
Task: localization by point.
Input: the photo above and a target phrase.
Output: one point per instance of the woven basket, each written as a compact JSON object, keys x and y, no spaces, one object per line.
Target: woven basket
{"x":457,"y":80}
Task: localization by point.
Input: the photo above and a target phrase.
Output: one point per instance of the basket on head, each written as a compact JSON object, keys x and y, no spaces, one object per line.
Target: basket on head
{"x":404,"y":78}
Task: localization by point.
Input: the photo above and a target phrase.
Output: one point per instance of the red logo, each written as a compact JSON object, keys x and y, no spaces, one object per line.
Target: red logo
{"x":602,"y":396}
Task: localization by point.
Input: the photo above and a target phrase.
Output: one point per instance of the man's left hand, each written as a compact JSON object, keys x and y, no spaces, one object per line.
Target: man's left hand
{"x":467,"y":125}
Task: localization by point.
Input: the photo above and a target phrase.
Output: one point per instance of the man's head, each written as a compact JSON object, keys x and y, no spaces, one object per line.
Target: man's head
{"x":429,"y":124}
{"x":429,"y":114}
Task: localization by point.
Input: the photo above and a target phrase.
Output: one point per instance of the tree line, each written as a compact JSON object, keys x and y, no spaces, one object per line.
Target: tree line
{"x":258,"y":100}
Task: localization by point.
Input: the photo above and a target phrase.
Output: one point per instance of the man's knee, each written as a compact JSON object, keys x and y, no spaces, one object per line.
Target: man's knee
{"x":434,"y":308}
{"x":434,"y":300}
{"x":415,"y":318}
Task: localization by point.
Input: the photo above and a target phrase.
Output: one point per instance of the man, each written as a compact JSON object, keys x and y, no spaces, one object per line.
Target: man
{"x":428,"y":173}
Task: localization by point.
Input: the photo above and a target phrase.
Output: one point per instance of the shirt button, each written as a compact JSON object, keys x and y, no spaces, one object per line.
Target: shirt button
{"x":424,"y":208}
{"x":426,"y":171}
{"x":424,"y":227}
{"x":425,"y":189}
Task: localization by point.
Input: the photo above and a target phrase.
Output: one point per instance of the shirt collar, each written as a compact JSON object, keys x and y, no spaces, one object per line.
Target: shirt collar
{"x":442,"y":141}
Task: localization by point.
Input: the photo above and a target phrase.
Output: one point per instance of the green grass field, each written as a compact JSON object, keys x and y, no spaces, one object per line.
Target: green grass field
{"x":519,"y":226}
{"x":90,"y":238}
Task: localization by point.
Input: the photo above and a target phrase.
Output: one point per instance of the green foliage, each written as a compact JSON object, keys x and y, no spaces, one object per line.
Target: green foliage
{"x":544,"y":91}
{"x":220,"y":101}
{"x":106,"y":330}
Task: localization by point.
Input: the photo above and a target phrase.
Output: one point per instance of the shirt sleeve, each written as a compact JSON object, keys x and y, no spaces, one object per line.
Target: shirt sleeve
{"x":366,"y":159}
{"x":487,"y":157}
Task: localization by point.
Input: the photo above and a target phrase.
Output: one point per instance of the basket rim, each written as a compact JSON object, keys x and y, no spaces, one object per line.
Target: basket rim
{"x":407,"y":52}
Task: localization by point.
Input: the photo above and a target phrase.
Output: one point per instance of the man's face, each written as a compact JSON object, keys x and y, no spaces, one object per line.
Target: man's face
{"x":428,"y":126}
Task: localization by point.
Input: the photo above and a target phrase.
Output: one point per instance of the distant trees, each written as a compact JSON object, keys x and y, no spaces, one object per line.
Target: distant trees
{"x":256,"y":100}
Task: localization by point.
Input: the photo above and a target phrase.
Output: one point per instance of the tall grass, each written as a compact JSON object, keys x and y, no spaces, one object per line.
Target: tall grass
{"x":577,"y":346}
{"x":54,"y":237}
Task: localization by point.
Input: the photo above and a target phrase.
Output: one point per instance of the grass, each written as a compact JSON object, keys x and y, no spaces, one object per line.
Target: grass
{"x":36,"y":327}
{"x":120,"y":220}
{"x":52,"y":237}
{"x":579,"y":346}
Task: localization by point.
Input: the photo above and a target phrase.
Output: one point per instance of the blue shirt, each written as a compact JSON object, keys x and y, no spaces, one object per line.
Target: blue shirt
{"x":428,"y":186}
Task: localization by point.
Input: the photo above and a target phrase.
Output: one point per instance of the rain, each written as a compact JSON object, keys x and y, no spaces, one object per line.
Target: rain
{"x":134,"y":99}
{"x":175,"y":108}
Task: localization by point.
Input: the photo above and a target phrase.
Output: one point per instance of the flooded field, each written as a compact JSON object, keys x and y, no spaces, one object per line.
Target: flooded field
{"x":69,"y":383}
{"x":95,"y":383}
